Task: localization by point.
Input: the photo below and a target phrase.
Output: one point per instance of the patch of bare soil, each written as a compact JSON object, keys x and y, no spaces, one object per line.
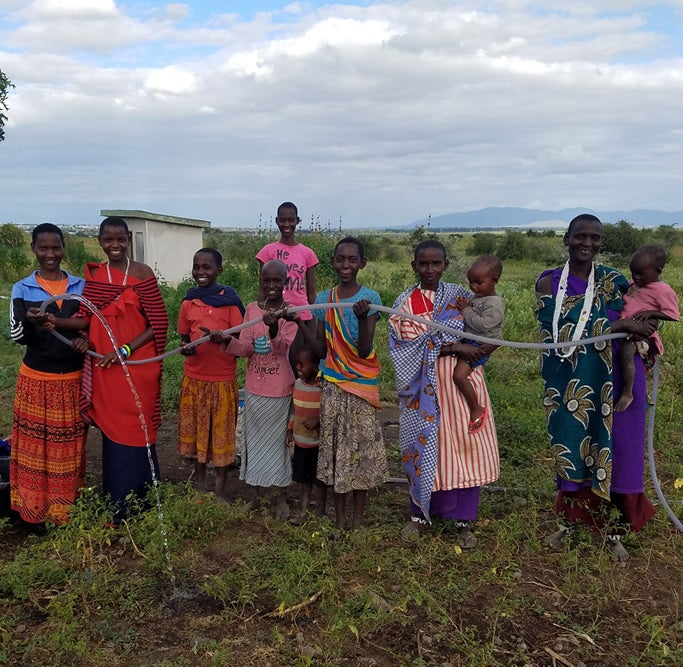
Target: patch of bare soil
{"x":175,"y":468}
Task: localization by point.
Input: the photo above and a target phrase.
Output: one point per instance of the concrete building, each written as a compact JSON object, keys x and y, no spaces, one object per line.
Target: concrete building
{"x":164,"y":242}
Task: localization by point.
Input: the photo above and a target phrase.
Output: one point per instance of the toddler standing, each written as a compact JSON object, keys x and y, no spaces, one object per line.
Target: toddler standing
{"x":208,"y":393}
{"x":304,"y":432}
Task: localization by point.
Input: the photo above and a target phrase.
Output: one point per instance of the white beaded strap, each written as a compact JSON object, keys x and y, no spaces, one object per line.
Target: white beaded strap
{"x":125,"y":275}
{"x":583,"y":316}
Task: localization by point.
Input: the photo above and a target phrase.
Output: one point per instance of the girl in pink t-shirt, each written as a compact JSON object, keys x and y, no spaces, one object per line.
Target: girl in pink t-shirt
{"x":648,"y":298}
{"x":299,"y":259}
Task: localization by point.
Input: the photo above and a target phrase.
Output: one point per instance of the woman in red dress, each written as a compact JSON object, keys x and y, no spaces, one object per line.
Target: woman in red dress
{"x":127,"y":294}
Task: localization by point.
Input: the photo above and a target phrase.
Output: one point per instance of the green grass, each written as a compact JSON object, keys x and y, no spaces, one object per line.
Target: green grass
{"x":243,"y":584}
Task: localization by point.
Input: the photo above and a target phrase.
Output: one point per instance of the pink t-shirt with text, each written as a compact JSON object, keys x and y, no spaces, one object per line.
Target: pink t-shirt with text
{"x":298,"y":258}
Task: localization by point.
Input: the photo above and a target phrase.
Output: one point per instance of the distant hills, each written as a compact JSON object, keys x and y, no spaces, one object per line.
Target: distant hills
{"x":511,"y":217}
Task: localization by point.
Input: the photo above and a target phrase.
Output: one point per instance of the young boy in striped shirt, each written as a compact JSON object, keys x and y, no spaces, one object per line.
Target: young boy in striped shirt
{"x":304,"y":432}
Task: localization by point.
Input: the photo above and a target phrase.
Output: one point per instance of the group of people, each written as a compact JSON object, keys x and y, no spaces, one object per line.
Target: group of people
{"x":312,"y":393}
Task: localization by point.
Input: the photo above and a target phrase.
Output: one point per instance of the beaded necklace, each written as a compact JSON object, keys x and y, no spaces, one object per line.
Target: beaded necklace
{"x":125,"y":275}
{"x":580,"y":327}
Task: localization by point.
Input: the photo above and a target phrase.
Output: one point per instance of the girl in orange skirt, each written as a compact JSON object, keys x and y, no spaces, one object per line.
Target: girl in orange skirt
{"x":209,"y":393}
{"x":47,"y":465}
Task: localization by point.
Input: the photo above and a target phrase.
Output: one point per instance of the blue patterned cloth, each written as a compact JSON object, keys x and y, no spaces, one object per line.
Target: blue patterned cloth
{"x":414,"y":362}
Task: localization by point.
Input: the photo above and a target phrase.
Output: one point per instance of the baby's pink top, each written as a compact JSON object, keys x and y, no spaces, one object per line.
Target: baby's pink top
{"x":654,"y":296}
{"x":267,"y":374}
{"x":298,"y":258}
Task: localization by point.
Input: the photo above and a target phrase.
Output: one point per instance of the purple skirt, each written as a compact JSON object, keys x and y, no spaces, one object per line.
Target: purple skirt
{"x":455,"y":504}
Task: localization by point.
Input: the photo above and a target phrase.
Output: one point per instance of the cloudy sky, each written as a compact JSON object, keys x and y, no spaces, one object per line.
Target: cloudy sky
{"x":378,"y":112}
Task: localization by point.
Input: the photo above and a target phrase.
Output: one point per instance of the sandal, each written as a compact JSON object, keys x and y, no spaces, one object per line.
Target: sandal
{"x":297,"y":519}
{"x":476,"y":425}
{"x":554,"y":541}
{"x":411,"y":531}
{"x":617,"y":549}
{"x":465,"y":539}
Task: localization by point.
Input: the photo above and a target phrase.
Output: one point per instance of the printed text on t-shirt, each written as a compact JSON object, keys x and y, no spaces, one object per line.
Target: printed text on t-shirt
{"x":293,"y":282}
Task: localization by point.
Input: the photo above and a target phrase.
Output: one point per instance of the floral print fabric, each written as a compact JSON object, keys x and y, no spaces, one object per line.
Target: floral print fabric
{"x":352,"y":455}
{"x":578,"y":389}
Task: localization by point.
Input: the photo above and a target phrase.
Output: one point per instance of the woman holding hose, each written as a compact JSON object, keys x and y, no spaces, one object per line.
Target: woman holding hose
{"x":47,"y":464}
{"x":127,"y":294}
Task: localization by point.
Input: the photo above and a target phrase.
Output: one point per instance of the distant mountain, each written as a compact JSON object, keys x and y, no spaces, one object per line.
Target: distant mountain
{"x":509,"y":217}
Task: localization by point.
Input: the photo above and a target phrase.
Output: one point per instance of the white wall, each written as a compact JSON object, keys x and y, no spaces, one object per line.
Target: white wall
{"x":168,"y":248}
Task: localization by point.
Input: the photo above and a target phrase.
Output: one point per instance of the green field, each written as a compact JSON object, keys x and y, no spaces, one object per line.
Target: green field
{"x":262,"y":593}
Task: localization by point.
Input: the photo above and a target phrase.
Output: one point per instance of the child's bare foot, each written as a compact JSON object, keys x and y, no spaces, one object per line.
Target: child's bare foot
{"x":252,"y":505}
{"x":554,"y":541}
{"x":475,"y":413}
{"x":624,"y":401}
{"x":478,"y":418}
{"x":282,"y":510}
{"x":617,"y":548}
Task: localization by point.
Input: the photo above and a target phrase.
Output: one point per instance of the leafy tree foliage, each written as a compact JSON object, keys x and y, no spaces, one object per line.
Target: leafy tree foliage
{"x":75,"y":254}
{"x":14,"y":259}
{"x":11,"y":236}
{"x":417,"y":235}
{"x":622,"y":239}
{"x":513,"y":246}
{"x":667,"y":236}
{"x":5,"y":85}
{"x":484,"y":244}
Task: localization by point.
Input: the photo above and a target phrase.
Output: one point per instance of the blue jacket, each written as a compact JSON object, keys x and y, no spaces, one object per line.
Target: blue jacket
{"x":44,"y":352}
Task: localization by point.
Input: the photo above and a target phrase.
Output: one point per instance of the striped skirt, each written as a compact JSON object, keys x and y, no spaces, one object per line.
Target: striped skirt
{"x":265,"y":459}
{"x":47,"y":465}
{"x":207,"y":420}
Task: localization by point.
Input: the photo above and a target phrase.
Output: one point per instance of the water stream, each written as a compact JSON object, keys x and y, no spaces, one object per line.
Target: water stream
{"x":143,"y":422}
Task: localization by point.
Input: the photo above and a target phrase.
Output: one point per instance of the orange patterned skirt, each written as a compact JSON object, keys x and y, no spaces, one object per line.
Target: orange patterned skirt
{"x":47,"y":464}
{"x":207,"y":419}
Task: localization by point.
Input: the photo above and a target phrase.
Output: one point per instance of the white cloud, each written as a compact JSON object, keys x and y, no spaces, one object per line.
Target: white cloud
{"x":380,"y":113}
{"x":171,"y":80}
{"x":72,"y":9}
{"x":177,"y":11}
